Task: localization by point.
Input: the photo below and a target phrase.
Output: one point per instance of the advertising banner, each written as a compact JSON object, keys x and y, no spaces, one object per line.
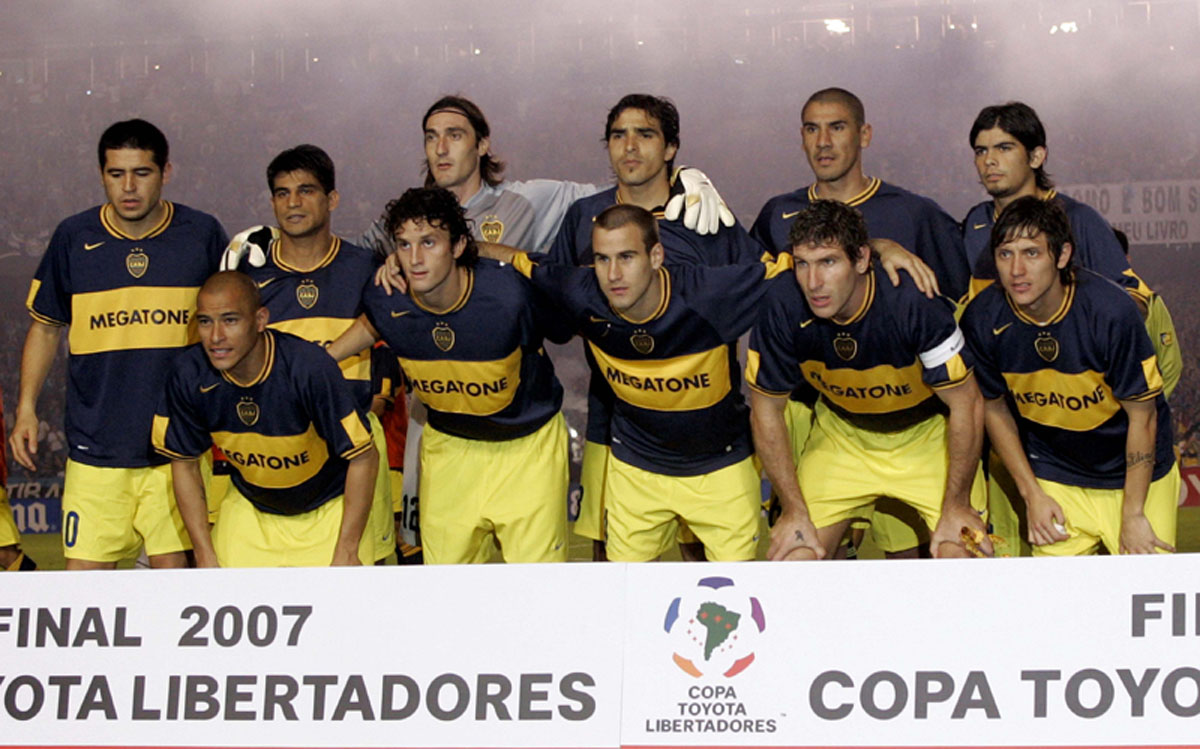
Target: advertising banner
{"x":1151,"y":213}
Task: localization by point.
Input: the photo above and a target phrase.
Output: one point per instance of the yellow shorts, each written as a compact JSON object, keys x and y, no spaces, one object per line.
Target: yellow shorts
{"x":109,"y":513}
{"x":381,"y":525}
{"x":798,"y":417}
{"x":845,"y":469}
{"x":512,"y":490}
{"x":218,"y":487}
{"x":897,"y":526}
{"x":1094,"y":515}
{"x":9,"y":535}
{"x":644,"y":509}
{"x":247,"y":537}
{"x":590,"y":523}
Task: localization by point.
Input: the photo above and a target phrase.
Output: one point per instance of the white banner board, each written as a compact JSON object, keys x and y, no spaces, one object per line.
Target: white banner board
{"x":1166,"y":212}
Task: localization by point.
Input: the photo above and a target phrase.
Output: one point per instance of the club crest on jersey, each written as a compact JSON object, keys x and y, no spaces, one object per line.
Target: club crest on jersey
{"x":136,"y":262}
{"x":1046,"y":347}
{"x":307,"y":293}
{"x":642,"y":342}
{"x":845,"y":347}
{"x":492,"y":229}
{"x":443,"y":336}
{"x":247,"y":411}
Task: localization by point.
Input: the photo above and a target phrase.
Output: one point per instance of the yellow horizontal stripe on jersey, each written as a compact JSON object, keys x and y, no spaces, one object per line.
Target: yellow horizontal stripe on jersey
{"x":977,"y":285}
{"x":324,"y":331}
{"x":274,"y":462}
{"x":682,"y":383}
{"x":135,"y":317}
{"x":476,"y":388}
{"x":1075,"y":402}
{"x":878,"y":390}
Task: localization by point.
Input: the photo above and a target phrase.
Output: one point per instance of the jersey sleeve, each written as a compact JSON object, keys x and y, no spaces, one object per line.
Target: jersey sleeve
{"x":741,"y":248}
{"x":1161,"y":328}
{"x":49,"y":299}
{"x":565,"y":249}
{"x":1097,"y":249}
{"x":940,"y":344}
{"x":218,"y":240}
{"x":941,"y":245}
{"x":760,"y":231}
{"x":386,"y":375}
{"x":774,"y":355}
{"x":550,"y":200}
{"x":729,"y":296}
{"x":179,"y":430}
{"x":331,"y":405}
{"x":563,"y":286}
{"x":982,"y":344}
{"x":1132,"y":368}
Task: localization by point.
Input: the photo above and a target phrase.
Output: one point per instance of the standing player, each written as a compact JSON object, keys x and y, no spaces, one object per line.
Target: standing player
{"x":470,"y":340}
{"x":835,"y":133}
{"x":303,"y":461}
{"x":1089,"y":446}
{"x":664,"y":340}
{"x":312,"y":284}
{"x":888,"y":364}
{"x":1161,"y":328}
{"x":123,"y":276}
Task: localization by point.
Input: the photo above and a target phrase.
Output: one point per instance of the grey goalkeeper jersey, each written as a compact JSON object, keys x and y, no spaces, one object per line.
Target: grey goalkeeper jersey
{"x":525,"y":215}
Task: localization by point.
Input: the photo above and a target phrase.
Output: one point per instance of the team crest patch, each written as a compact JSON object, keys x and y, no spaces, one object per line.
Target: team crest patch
{"x":307,"y":293}
{"x":1046,"y":347}
{"x":1166,"y":339}
{"x":137,"y":262}
{"x":492,"y":230}
{"x":443,"y":336}
{"x":247,"y":411}
{"x":642,"y":342}
{"x":845,"y":347}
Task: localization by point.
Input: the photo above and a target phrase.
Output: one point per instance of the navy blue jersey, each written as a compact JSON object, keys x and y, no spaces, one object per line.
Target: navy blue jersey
{"x":878,"y":369}
{"x":681,"y":246}
{"x":321,"y":303}
{"x":480,"y":365}
{"x":288,"y":434}
{"x":1065,"y":378}
{"x":130,"y":304}
{"x":916,"y":223}
{"x":1096,"y":246}
{"x":678,"y":407}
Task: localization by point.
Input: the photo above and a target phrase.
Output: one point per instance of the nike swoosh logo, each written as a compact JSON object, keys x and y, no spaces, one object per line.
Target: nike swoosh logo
{"x":1001,"y":329}
{"x":793,"y":214}
{"x":401,"y":314}
{"x":263,"y":284}
{"x":87,"y":246}
{"x":206,"y":388}
{"x":593,"y":318}
{"x":980,"y":226}
{"x":806,"y":323}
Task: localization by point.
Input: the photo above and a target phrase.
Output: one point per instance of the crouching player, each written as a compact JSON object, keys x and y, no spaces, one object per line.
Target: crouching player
{"x":1088,"y":440}
{"x":888,"y":364}
{"x":301,"y":452}
{"x":469,"y":336}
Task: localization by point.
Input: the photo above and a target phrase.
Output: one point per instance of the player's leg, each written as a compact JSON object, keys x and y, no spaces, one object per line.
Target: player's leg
{"x":1006,"y":510}
{"x":528,"y":483}
{"x":830,"y":537}
{"x":898,"y":530}
{"x":406,"y":473}
{"x":1083,"y":516}
{"x":157,"y":520}
{"x":723,"y":508}
{"x":381,"y":525}
{"x":1161,"y":509}
{"x":12,"y":558}
{"x":98,"y":508}
{"x":247,"y":537}
{"x":452,"y":486}
{"x":590,"y":523}
{"x":641,"y":517}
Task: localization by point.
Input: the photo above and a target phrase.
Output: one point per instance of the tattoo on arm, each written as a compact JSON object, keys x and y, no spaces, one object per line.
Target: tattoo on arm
{"x":1135,"y":459}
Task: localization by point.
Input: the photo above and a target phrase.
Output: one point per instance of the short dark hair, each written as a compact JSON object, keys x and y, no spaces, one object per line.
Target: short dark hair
{"x":1021,"y":122}
{"x":1030,"y":216}
{"x":244,"y":284}
{"x":623,"y":214}
{"x":657,"y":107}
{"x":304,"y":158}
{"x":435,"y":206}
{"x":830,"y":222}
{"x":840,"y":96}
{"x":490,"y":167}
{"x":137,"y":134}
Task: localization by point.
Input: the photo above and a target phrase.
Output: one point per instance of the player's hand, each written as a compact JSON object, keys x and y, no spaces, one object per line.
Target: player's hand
{"x":345,"y":558}
{"x":701,"y":205}
{"x":249,"y":244}
{"x":390,"y":277}
{"x":24,"y":439}
{"x":794,"y":537}
{"x":1047,"y":523}
{"x":955,"y":522}
{"x":1137,"y":537}
{"x":894,"y":258}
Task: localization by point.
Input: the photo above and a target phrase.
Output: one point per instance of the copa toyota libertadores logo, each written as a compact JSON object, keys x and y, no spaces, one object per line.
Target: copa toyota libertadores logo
{"x":714,"y":628}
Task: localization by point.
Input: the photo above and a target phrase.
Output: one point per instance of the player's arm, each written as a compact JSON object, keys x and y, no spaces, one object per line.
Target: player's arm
{"x":41,"y":343}
{"x":1046,"y":518}
{"x":893,"y":258}
{"x":360,"y":487}
{"x":964,"y":437}
{"x":193,"y":508}
{"x":1137,"y":537}
{"x":359,"y":336}
{"x":794,"y":529}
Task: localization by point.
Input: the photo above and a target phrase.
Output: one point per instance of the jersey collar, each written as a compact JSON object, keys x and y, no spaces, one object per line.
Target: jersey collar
{"x":468,"y":287}
{"x":335,"y":245}
{"x":866,"y":303}
{"x":868,"y":192}
{"x":665,"y":279}
{"x":1063,"y":308}
{"x":268,"y":362}
{"x":108,"y":221}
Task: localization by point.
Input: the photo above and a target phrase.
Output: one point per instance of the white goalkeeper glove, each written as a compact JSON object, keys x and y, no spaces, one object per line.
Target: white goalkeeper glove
{"x":701,"y":205}
{"x":249,"y":244}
